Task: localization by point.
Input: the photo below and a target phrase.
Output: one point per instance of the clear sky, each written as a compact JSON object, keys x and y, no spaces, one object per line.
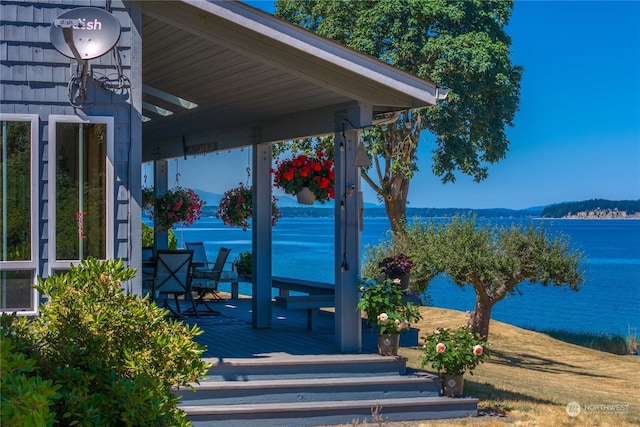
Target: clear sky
{"x":576,"y":136}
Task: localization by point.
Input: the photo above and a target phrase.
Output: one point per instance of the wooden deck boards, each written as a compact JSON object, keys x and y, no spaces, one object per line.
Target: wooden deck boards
{"x":231,"y":334}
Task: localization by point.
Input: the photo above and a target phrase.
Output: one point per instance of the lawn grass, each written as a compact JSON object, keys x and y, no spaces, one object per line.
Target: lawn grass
{"x":531,"y":377}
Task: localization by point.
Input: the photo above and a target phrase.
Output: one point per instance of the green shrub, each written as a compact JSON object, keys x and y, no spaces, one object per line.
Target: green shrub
{"x":25,"y":399}
{"x":244,"y":263}
{"x":116,"y":355}
{"x":148,"y":237}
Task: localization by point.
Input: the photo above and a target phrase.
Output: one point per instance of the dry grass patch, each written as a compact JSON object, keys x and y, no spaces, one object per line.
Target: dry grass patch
{"x":531,"y":377}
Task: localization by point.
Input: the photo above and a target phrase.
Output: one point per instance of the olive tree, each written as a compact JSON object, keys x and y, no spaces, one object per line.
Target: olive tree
{"x":461,"y":46}
{"x":495,"y":261}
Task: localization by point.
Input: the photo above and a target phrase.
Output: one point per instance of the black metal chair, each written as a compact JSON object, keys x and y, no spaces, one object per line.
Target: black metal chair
{"x":148,"y":269}
{"x":173,"y":278}
{"x":205,"y":278}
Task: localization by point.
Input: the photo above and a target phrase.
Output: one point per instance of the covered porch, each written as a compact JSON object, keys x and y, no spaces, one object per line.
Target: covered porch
{"x":219,"y":76}
{"x":230,"y":335}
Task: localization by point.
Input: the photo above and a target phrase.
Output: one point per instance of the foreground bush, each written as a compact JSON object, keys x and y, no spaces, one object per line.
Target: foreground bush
{"x":25,"y":398}
{"x":115,"y":355}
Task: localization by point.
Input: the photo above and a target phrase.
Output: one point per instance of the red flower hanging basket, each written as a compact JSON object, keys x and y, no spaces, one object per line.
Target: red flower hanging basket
{"x":180,"y":205}
{"x":316,"y":173}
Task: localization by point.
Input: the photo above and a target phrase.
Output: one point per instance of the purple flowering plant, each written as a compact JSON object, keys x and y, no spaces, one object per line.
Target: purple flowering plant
{"x":396,"y":265}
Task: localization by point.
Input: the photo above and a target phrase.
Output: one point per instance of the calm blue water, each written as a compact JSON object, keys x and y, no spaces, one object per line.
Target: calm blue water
{"x":608,"y":302}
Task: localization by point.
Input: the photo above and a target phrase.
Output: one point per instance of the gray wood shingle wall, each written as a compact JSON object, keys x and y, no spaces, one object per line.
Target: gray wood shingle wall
{"x":34,"y":79}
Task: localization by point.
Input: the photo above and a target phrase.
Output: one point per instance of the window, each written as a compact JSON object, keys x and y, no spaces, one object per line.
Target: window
{"x":18,"y":211}
{"x":80,"y":189}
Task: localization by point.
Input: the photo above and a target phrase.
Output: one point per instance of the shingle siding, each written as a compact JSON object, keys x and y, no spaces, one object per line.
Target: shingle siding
{"x":34,"y":79}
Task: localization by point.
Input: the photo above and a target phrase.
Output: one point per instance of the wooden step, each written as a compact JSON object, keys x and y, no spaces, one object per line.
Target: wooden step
{"x":311,"y":389}
{"x":298,"y":414}
{"x":281,"y":366}
{"x":280,"y":390}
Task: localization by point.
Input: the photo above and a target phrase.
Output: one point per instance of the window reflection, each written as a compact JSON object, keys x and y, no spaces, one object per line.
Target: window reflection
{"x":15,"y":193}
{"x":81,"y":190}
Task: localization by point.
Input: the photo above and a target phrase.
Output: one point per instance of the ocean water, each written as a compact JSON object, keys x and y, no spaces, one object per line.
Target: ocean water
{"x":608,"y":302}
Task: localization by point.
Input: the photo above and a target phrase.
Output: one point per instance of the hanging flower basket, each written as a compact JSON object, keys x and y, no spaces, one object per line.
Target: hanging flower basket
{"x":180,"y":205}
{"x":235,"y":207}
{"x":305,"y":196}
{"x":317,"y":173}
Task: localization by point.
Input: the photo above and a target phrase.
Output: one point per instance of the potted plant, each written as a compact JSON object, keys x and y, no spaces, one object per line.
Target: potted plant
{"x":452,"y":353}
{"x":397,"y":267}
{"x":180,"y":205}
{"x":244,"y":263}
{"x":386,"y":311}
{"x":306,"y":176}
{"x":235,"y":207}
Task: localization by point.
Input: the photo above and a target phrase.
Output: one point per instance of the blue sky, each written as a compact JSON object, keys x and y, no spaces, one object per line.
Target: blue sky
{"x":576,"y":136}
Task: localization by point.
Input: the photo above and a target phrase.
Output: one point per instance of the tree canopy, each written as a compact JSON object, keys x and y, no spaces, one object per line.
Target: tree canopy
{"x":495,"y":261}
{"x":461,"y":46}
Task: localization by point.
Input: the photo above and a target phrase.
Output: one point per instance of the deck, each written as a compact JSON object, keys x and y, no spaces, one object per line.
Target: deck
{"x":231,"y":335}
{"x":287,"y":375}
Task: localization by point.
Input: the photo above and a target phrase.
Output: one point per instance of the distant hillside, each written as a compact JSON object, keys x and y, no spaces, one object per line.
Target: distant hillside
{"x":595,"y":208}
{"x":320,"y":211}
{"x":446,"y":212}
{"x":289,"y":207}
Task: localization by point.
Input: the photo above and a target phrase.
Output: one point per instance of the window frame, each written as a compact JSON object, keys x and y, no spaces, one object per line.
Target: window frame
{"x":54,"y":263}
{"x":33,"y":263}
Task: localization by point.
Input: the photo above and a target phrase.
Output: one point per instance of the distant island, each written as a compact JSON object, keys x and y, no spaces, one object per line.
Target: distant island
{"x":595,"y":208}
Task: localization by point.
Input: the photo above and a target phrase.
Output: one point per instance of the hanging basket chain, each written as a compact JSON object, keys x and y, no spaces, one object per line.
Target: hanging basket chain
{"x":177,"y":174}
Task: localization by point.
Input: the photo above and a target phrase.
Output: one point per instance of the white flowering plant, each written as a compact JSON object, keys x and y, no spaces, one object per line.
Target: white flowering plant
{"x":384,"y":307}
{"x":453,"y":352}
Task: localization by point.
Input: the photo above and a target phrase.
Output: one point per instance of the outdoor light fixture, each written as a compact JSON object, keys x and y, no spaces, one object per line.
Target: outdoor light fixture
{"x":362,"y":158}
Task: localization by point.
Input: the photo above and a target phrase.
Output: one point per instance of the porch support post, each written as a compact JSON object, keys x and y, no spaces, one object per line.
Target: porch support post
{"x":135,"y":148}
{"x":348,"y":324}
{"x":261,"y":236}
{"x":160,"y":186}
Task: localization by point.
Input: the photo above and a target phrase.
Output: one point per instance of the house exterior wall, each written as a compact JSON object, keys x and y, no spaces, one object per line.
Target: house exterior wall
{"x":34,"y":79}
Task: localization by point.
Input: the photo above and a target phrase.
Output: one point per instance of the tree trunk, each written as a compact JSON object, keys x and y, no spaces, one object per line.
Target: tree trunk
{"x":395,"y":201}
{"x":480,"y":318}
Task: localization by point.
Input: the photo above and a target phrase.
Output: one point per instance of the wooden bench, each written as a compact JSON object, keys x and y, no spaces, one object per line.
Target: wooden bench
{"x":287,"y":284}
{"x":311,"y":303}
{"x":319,"y":295}
{"x":284,"y":284}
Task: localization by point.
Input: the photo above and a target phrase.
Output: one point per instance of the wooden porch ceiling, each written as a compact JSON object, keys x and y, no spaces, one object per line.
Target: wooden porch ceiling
{"x":255,"y":78}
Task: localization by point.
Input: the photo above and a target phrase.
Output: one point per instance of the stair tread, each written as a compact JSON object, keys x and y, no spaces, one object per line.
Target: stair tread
{"x":246,"y":408}
{"x":279,"y":359}
{"x":315,"y":382}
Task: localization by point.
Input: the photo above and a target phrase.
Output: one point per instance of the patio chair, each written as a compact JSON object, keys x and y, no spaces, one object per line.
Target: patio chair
{"x":205,"y":276}
{"x":173,"y":277}
{"x":148,"y":269}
